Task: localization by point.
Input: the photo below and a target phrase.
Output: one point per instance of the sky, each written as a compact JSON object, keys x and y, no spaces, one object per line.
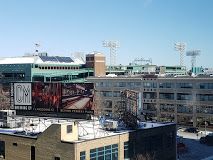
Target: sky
{"x":143,"y":28}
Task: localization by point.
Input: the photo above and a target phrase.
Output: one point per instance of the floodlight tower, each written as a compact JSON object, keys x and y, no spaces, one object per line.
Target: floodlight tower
{"x":112,"y":45}
{"x":193,"y":54}
{"x":37,"y":45}
{"x":179,"y":46}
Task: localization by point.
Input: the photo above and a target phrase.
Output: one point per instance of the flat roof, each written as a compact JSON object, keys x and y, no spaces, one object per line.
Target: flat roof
{"x":87,"y":129}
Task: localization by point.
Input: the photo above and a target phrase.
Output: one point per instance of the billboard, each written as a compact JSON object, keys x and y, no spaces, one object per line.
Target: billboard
{"x":46,"y":96}
{"x":77,"y":96}
{"x":54,"y":97}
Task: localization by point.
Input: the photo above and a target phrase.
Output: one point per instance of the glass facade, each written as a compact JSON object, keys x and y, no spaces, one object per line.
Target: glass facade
{"x":109,"y":152}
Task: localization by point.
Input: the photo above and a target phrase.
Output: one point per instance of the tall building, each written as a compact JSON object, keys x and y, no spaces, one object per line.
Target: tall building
{"x":185,"y":100}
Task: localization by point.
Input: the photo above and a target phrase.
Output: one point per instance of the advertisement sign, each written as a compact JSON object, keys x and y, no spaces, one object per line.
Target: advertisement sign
{"x":53,"y":97}
{"x":46,"y":96}
{"x":77,"y":96}
{"x":22,"y":94}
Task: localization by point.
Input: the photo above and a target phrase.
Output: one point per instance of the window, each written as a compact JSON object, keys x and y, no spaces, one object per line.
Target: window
{"x":32,"y":152}
{"x":149,"y":85}
{"x":184,"y":109}
{"x":166,"y":85}
{"x":126,"y":150}
{"x":169,"y":96}
{"x":107,"y":104}
{"x":184,"y":96}
{"x":184,"y":85}
{"x":204,"y":97}
{"x":116,"y":94}
{"x":15,"y":144}
{"x":109,"y":152}
{"x":57,"y":158}
{"x":82,"y":155}
{"x":69,"y":128}
{"x":206,"y":86}
{"x":107,"y":93}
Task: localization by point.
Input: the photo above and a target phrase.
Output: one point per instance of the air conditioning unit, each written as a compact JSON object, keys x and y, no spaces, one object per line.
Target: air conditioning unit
{"x":110,"y":125}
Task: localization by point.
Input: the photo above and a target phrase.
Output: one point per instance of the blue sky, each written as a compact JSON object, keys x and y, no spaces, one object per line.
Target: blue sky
{"x":144,"y":28}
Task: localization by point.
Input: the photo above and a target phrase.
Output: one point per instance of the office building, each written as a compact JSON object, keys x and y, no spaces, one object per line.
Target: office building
{"x":185,"y":100}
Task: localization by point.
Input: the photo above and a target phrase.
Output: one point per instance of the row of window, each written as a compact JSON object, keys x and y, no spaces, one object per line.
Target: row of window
{"x":186,"y":108}
{"x":57,"y":67}
{"x":166,"y":96}
{"x":111,"y":94}
{"x":109,"y":152}
{"x":186,"y":96}
{"x":154,"y":85}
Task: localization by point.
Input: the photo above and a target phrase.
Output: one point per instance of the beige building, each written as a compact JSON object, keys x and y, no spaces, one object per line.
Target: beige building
{"x":185,"y":100}
{"x":86,"y":140}
{"x":96,"y":61}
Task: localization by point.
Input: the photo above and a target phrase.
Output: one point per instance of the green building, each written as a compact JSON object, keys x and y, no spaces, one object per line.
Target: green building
{"x":43,"y":68}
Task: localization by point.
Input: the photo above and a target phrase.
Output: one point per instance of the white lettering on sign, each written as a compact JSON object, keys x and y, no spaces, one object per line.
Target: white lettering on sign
{"x":22,"y":94}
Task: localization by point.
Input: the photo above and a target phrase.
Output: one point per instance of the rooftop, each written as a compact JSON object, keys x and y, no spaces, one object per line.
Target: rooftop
{"x":87,"y":129}
{"x":41,"y":60}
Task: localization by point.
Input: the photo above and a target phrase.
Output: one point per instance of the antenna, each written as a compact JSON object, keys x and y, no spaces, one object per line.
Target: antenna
{"x":180,"y":46}
{"x":193,"y":54}
{"x":112,"y":45}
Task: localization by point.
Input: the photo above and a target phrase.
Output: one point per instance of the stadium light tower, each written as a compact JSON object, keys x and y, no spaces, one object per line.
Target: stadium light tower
{"x":112,"y":45}
{"x":37,"y":45}
{"x":193,"y":54}
{"x":179,"y":46}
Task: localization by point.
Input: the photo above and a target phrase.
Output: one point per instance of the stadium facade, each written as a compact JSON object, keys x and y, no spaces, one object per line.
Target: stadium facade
{"x":42,"y":67}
